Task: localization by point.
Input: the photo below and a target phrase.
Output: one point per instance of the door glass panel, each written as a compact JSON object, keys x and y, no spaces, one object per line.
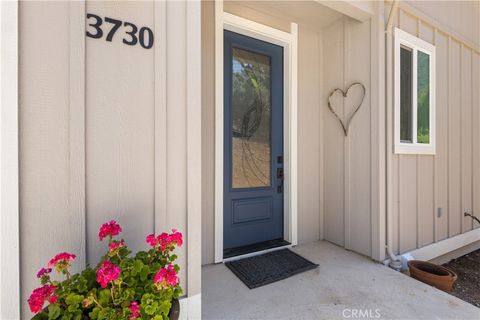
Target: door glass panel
{"x":423,"y":97}
{"x":251,"y":113}
{"x":406,"y":72}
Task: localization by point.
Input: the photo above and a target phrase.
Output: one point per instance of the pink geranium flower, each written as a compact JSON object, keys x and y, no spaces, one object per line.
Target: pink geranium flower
{"x":115,"y":245}
{"x":165,"y":241}
{"x":176,"y":237}
{"x":110,"y":229}
{"x":43,"y":272}
{"x":166,"y":276}
{"x":61,"y":261}
{"x":40,"y":295}
{"x":134,"y":309}
{"x":151,"y":240}
{"x":108,"y":272}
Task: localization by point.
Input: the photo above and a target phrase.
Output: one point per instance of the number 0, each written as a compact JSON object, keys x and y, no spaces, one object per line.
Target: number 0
{"x":141,"y":37}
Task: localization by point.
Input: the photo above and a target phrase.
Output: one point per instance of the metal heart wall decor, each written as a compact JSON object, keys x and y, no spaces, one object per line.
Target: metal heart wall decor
{"x":346,"y":125}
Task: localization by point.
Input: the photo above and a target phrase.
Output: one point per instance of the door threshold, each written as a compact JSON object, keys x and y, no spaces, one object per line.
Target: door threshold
{"x":254,"y":249}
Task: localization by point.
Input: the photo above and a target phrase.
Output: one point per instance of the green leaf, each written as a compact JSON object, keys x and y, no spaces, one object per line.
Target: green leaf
{"x":144,"y":273}
{"x":94,"y":313}
{"x":137,"y":266}
{"x":165,"y":307}
{"x":104,"y":297}
{"x":82,"y":285}
{"x":53,"y":311}
{"x":73,"y":299}
{"x":150,"y":310}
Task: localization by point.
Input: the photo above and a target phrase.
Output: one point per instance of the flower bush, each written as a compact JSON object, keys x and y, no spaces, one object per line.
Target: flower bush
{"x":120,"y":287}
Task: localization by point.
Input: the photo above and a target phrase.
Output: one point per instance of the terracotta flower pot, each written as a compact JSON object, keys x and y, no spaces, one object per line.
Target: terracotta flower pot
{"x":432,"y":274}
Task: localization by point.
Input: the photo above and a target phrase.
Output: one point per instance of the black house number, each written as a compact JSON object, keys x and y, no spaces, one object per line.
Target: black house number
{"x":132,"y":35}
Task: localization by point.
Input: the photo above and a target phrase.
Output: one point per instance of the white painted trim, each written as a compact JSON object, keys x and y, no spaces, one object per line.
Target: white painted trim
{"x":291,"y":139}
{"x":377,"y":137}
{"x":9,"y":180}
{"x":218,"y":131}
{"x":346,"y":144}
{"x":190,"y":307}
{"x":160,"y":114}
{"x":440,"y":248}
{"x":77,"y":204}
{"x":194,"y":150}
{"x":257,"y":30}
{"x":406,"y":39}
{"x":321,"y":136}
{"x":287,"y":40}
{"x":357,"y":10}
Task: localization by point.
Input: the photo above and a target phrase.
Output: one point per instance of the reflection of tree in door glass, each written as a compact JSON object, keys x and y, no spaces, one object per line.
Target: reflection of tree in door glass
{"x":251,"y":113}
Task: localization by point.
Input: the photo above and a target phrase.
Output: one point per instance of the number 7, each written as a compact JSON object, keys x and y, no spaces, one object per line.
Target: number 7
{"x":116,"y":24}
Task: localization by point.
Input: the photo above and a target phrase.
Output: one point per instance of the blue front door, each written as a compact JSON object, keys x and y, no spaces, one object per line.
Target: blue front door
{"x":253,"y":141}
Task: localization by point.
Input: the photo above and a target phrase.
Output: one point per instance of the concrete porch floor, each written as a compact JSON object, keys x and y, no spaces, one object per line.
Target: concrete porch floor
{"x":344,"y":282}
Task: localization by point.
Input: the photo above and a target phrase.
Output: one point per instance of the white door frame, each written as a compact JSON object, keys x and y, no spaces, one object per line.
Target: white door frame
{"x":227,"y":21}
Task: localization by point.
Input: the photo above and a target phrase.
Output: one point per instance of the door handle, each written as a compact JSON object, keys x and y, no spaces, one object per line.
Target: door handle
{"x":280,"y":177}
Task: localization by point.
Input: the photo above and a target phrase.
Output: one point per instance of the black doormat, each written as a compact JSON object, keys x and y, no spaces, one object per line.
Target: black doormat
{"x":270,"y":267}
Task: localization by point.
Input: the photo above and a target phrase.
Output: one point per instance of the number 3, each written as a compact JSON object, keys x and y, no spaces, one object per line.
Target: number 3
{"x":96,"y":25}
{"x":132,"y":33}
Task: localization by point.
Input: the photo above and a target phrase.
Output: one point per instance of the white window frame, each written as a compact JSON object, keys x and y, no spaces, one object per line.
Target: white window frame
{"x":403,"y":38}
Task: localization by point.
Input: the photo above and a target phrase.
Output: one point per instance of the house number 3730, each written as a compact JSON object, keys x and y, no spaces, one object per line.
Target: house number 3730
{"x":132,"y":34}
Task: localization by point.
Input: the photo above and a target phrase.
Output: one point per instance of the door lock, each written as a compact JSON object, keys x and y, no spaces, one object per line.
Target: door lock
{"x":280,"y":173}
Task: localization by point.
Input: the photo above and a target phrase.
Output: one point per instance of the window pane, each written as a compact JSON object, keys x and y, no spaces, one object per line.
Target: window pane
{"x":406,"y":94}
{"x":423,"y":97}
{"x":250,"y":119}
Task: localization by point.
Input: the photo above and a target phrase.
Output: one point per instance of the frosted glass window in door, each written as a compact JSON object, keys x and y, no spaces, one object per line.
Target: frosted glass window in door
{"x":251,"y":119}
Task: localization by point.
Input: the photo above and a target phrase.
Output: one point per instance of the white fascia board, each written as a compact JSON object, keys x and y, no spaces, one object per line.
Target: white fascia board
{"x":358,"y":10}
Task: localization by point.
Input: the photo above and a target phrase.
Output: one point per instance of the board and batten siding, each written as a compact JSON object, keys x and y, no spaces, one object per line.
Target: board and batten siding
{"x":347,"y":161}
{"x":431,"y":193}
{"x":105,"y":133}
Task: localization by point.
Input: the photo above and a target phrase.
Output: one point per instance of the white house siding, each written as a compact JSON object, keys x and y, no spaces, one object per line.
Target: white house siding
{"x":347,"y":168}
{"x":105,"y":134}
{"x":49,"y":222}
{"x":460,"y":17}
{"x":450,"y":180}
{"x":120,"y":130}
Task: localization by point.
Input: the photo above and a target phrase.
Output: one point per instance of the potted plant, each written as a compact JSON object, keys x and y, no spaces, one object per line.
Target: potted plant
{"x":120,"y":287}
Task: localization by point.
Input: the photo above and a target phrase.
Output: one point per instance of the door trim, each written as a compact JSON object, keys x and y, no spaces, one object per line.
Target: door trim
{"x":227,"y":21}
{"x":9,"y":163}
